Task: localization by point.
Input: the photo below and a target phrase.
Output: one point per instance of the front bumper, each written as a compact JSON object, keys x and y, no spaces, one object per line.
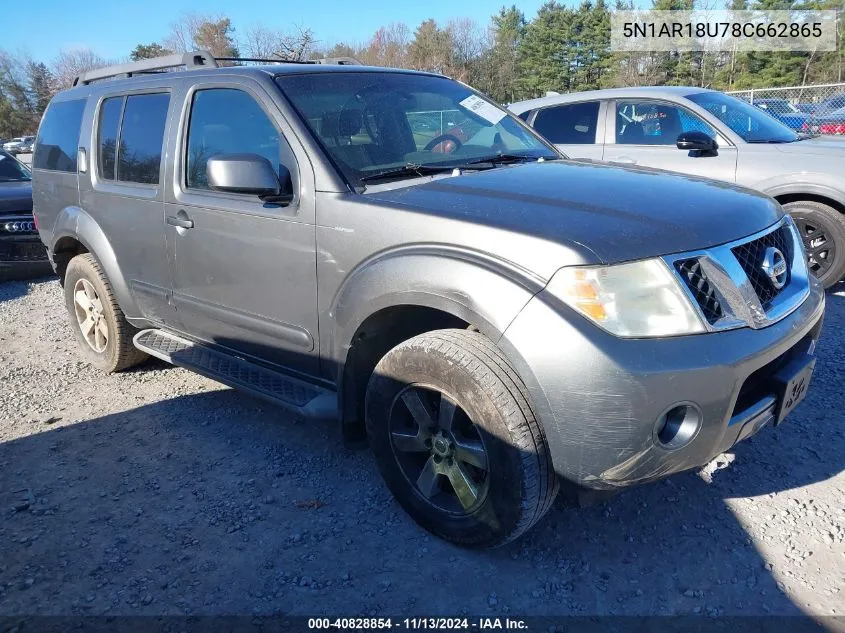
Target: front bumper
{"x":23,"y":256}
{"x":599,"y":397}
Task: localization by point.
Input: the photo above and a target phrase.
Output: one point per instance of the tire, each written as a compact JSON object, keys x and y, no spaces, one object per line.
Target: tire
{"x":822,"y":230}
{"x":518,"y":485}
{"x":111,"y":350}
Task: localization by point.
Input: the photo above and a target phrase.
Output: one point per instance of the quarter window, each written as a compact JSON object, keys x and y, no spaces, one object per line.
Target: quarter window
{"x":227,"y":121}
{"x":58,"y":137}
{"x":107,"y":136}
{"x":655,"y":123}
{"x":572,"y":124}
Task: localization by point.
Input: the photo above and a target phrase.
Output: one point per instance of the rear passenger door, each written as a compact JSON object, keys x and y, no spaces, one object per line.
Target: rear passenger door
{"x":245,"y":271}
{"x":125,"y":193}
{"x":577,"y":129}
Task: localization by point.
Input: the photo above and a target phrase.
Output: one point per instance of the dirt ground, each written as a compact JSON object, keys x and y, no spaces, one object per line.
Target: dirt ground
{"x":157,"y":491}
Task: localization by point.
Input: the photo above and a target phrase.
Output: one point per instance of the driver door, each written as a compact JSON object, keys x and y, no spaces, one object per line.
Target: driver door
{"x":644,"y":132}
{"x":244,"y":270}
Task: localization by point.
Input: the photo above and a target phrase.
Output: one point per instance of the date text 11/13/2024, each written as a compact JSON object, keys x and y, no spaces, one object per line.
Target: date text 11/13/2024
{"x":413,"y":624}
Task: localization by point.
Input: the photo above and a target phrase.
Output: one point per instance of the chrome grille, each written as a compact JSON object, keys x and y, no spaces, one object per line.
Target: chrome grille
{"x":750,"y":257}
{"x":701,"y":288}
{"x":729,"y":286}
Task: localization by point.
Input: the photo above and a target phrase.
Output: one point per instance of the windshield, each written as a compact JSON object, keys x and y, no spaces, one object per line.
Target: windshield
{"x":746,"y":120}
{"x":401,"y":124}
{"x":11,"y":170}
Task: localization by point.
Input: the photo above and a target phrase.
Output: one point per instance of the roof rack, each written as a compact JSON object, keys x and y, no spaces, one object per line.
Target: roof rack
{"x":190,"y":61}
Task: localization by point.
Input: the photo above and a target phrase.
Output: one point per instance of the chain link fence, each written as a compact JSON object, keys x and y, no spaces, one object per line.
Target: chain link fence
{"x":818,"y":109}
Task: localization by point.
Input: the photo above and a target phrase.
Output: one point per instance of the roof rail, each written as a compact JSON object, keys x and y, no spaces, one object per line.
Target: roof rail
{"x":341,"y":61}
{"x":192,"y":60}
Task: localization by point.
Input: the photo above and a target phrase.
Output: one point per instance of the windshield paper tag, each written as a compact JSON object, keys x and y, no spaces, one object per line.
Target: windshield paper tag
{"x":483,"y":109}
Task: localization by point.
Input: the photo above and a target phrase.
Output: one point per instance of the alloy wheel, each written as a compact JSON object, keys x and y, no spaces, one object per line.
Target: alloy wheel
{"x":89,"y":316}
{"x":820,"y":247}
{"x":439,"y":450}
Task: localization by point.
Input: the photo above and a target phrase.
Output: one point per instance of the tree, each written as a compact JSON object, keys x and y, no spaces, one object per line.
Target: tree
{"x":263,"y":43}
{"x":40,"y":86}
{"x":542,"y":62}
{"x":148,"y":51}
{"x":70,"y":63}
{"x":506,"y":32}
{"x":431,"y":48}
{"x":203,"y":32}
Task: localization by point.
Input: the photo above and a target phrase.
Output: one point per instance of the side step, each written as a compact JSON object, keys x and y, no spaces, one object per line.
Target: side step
{"x":293,"y":394}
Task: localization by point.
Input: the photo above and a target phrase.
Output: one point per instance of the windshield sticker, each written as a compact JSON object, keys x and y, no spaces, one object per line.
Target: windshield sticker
{"x":483,"y":109}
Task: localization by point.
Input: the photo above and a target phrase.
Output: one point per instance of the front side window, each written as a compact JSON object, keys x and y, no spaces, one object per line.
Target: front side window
{"x":746,"y":120}
{"x":58,"y":136}
{"x":655,"y":123}
{"x":227,"y":121}
{"x":571,"y":124}
{"x":377,"y":125}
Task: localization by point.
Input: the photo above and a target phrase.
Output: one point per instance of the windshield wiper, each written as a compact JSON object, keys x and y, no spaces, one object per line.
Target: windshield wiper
{"x":409,"y":170}
{"x":504,"y":159}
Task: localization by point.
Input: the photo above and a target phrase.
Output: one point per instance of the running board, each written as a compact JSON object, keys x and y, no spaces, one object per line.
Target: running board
{"x":293,"y":394}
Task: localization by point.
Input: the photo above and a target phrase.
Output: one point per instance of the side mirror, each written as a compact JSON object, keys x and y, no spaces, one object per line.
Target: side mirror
{"x":697,"y":142}
{"x":249,"y":174}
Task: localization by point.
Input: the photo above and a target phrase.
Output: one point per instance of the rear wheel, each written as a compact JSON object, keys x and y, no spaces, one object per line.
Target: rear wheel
{"x":822,"y":230}
{"x":456,"y":440}
{"x":103,"y":334}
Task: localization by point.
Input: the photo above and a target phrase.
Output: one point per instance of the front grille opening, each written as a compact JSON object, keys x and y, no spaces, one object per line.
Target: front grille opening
{"x":751,"y":254}
{"x":761,"y":383}
{"x":701,"y":288}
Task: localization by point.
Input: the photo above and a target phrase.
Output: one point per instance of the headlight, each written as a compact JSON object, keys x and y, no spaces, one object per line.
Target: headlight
{"x":638,"y":299}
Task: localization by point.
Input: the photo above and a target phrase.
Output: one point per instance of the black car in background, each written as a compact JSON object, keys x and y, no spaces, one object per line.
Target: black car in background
{"x":21,"y":252}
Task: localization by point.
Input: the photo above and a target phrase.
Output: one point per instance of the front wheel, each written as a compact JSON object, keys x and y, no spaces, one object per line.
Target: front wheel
{"x":456,"y":440}
{"x":822,"y":229}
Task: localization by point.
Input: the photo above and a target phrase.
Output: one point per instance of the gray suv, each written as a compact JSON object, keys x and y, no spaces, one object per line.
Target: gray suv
{"x":391,"y":249}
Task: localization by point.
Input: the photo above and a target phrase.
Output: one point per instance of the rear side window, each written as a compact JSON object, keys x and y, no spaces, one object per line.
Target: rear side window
{"x":130,"y":137}
{"x":573,"y":124}
{"x":227,"y":121}
{"x":107,"y":136}
{"x":58,"y":137}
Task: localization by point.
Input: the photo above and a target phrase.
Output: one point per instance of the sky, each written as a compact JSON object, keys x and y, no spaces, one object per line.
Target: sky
{"x":112,"y":28}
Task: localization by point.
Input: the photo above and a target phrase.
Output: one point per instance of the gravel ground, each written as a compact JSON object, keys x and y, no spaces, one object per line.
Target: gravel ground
{"x":157,"y":491}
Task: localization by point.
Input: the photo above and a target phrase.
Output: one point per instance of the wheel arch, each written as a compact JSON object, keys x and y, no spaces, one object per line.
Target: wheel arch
{"x":395,"y":299}
{"x":76,"y":232}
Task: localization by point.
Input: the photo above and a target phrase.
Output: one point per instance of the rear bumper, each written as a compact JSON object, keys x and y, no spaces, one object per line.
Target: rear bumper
{"x":600,"y":397}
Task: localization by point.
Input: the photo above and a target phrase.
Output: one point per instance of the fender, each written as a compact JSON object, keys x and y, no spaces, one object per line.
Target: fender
{"x":75,"y":223}
{"x":823,"y":185}
{"x":484,"y":291}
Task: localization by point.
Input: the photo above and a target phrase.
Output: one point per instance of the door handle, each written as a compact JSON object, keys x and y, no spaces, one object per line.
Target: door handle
{"x":181,"y":222}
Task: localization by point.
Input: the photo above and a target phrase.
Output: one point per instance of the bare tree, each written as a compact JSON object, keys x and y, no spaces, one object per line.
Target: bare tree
{"x":70,"y":63}
{"x":388,"y":47}
{"x":266,"y":43}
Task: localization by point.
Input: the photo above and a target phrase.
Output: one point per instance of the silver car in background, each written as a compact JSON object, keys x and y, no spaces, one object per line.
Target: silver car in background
{"x":708,"y":133}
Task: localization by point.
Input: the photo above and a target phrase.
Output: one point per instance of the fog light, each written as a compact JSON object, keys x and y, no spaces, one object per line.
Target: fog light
{"x":677,"y":427}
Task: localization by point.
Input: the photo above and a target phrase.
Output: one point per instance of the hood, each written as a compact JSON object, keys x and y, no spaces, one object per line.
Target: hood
{"x":617,"y":213}
{"x":816,"y":146}
{"x":15,"y":197}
